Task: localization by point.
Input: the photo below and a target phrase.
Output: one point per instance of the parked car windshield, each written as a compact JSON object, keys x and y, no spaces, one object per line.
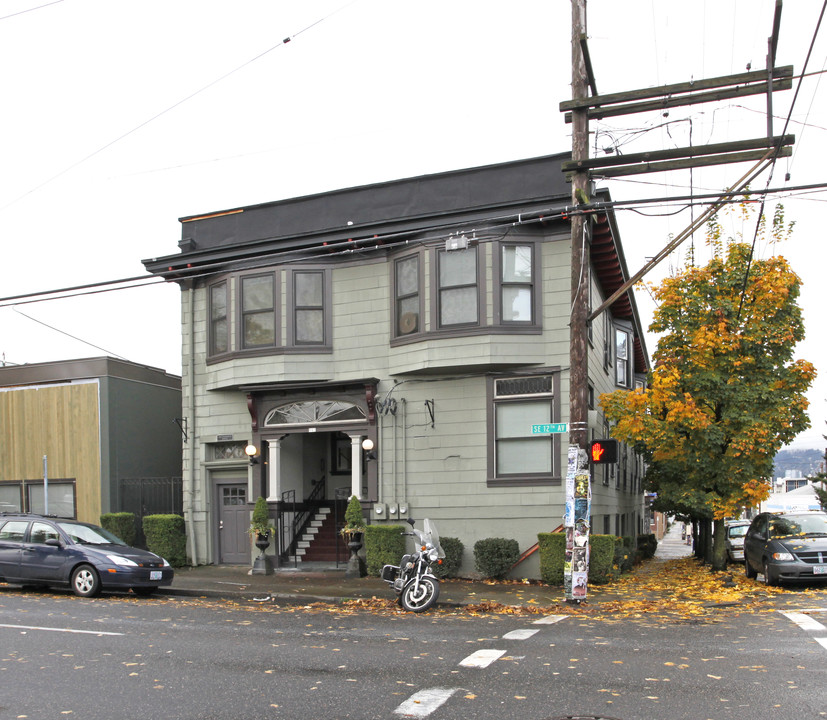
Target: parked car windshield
{"x":89,"y":534}
{"x":815,"y":524}
{"x":737,"y":530}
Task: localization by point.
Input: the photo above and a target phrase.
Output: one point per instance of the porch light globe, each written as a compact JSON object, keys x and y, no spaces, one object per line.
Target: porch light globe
{"x":367,"y":444}
{"x":250,"y":450}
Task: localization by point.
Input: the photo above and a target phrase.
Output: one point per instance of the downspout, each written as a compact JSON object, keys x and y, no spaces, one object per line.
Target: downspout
{"x":405,"y":453}
{"x":191,"y":415}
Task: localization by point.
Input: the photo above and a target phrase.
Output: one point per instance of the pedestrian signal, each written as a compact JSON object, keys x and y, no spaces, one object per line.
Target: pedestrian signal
{"x":603,"y":452}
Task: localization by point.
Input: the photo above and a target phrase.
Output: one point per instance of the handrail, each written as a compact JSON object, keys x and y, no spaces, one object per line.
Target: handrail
{"x":301,"y":519}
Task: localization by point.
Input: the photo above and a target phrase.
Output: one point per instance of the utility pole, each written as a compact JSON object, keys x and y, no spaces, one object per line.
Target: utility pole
{"x":580,"y":268}
{"x":577,"y":518}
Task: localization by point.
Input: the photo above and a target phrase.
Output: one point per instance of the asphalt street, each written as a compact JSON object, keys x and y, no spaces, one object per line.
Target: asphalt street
{"x":187,"y":658}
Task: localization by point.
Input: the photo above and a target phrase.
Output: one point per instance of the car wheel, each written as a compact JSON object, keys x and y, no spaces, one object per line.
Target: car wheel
{"x":86,"y":581}
{"x":767,"y":579}
{"x":144,"y":591}
{"x":748,"y":570}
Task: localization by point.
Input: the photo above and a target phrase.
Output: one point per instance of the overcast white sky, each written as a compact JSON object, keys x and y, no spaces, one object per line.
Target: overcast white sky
{"x":119,"y":117}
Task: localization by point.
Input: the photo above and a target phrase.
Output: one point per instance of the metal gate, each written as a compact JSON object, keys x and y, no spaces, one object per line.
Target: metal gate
{"x":151,"y":496}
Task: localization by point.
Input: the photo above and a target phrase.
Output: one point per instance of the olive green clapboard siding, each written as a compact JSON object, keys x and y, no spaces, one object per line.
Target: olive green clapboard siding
{"x":61,"y":422}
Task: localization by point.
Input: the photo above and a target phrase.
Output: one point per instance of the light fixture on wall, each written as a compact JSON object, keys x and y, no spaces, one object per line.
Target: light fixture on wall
{"x":251,"y":452}
{"x":367,"y":446}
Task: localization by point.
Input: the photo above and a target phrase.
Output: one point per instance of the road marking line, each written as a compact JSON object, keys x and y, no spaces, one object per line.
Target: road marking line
{"x":822,"y":642}
{"x":805,"y":622}
{"x":50,"y":629}
{"x":523,"y":634}
{"x":550,"y":619}
{"x":424,"y":702}
{"x":482,"y":658}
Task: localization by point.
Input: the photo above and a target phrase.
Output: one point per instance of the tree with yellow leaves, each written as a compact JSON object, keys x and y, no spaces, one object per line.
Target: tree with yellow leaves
{"x":725,"y":393}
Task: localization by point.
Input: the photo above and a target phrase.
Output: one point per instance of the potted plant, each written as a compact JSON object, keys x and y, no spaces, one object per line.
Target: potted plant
{"x":260,"y":528}
{"x":353,"y":532}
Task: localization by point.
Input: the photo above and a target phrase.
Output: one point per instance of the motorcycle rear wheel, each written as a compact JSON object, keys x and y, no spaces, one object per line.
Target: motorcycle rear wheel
{"x":419,"y":599}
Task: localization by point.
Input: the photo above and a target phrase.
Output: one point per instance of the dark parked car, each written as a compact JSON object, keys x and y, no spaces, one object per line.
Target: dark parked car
{"x":44,"y":550}
{"x":787,"y":547}
{"x":735,"y":531}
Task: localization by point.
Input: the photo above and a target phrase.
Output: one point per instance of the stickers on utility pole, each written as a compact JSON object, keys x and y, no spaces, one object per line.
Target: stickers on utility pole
{"x":576,"y":523}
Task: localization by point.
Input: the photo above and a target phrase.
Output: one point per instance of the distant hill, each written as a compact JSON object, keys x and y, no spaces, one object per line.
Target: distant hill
{"x":807,"y":462}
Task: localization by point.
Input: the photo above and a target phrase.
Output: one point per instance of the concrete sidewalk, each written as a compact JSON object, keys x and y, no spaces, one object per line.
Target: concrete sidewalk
{"x":326,"y":584}
{"x":319,"y":582}
{"x":672,"y":546}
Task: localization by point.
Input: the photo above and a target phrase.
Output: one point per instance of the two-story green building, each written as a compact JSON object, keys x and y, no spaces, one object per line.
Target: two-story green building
{"x":428,"y":315}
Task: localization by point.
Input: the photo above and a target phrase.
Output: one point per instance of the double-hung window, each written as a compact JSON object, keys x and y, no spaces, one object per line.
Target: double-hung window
{"x":458,"y":287}
{"x":219,"y":319}
{"x":258,"y":311}
{"x":517,"y":455}
{"x":407,"y":296}
{"x":309,"y":298}
{"x":517,"y":283}
{"x":623,"y":355}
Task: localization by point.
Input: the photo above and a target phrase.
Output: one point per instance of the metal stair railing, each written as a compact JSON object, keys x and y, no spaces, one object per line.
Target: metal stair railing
{"x":300,"y":518}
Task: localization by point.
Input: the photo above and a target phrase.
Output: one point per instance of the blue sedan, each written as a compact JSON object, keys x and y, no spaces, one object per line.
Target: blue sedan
{"x":48,"y":551}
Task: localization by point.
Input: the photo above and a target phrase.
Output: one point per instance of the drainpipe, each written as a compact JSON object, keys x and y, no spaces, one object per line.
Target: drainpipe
{"x":405,"y":453}
{"x":191,"y":416}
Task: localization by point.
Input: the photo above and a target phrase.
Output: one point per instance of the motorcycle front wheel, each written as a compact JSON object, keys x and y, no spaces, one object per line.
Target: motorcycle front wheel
{"x":419,"y":599}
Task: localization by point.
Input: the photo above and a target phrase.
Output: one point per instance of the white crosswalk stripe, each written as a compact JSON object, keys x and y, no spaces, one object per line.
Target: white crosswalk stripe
{"x":805,"y":622}
{"x":522,"y":634}
{"x":423,"y":703}
{"x":550,"y":619}
{"x":482,"y":658}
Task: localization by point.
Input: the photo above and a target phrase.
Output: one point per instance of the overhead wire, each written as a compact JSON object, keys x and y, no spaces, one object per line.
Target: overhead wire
{"x":28,"y":10}
{"x":172,"y":107}
{"x":775,"y":157}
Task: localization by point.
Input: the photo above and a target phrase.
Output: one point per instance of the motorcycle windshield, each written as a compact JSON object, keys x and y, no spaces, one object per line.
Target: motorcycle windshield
{"x":432,"y":536}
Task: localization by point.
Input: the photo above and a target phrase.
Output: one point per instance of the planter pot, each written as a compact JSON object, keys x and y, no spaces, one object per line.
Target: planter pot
{"x":262,"y":564}
{"x":355,"y":565}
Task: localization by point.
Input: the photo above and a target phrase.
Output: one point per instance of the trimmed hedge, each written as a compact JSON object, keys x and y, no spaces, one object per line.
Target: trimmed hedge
{"x":451,"y":563}
{"x":552,"y":557}
{"x":121,"y":524}
{"x":494,"y":557}
{"x":647,"y":545}
{"x":384,"y":545}
{"x":603,"y":561}
{"x":165,"y":536}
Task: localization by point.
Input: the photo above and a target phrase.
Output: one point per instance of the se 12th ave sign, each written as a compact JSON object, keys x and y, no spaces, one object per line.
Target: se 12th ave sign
{"x":552,"y":428}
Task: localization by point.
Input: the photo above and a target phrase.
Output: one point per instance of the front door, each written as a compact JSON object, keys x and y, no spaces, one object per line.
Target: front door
{"x":233,"y":522}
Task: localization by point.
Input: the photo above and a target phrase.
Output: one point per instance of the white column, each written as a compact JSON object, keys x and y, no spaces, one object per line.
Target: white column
{"x":274,"y":470}
{"x":356,"y":465}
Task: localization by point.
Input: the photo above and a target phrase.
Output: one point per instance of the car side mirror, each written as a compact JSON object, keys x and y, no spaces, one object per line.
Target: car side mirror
{"x":53,"y":542}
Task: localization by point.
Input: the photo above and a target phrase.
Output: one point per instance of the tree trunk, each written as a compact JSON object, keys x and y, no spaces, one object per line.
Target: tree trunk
{"x":719,"y":547}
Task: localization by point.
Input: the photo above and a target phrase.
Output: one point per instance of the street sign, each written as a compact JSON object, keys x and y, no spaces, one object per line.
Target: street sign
{"x":551,"y":428}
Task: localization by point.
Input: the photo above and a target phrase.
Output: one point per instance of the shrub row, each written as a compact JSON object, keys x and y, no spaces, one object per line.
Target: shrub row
{"x":165,"y":534}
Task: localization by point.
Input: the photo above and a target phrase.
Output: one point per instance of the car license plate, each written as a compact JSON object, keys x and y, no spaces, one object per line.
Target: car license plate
{"x":820,"y":570}
{"x":157,"y":574}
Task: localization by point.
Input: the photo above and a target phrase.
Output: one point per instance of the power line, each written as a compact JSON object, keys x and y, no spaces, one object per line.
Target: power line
{"x":135,"y":129}
{"x":74,"y":337}
{"x":23,"y":12}
{"x":375,"y":242}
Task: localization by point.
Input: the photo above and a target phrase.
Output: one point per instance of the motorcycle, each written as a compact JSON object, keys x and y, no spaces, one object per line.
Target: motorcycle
{"x":416,"y":587}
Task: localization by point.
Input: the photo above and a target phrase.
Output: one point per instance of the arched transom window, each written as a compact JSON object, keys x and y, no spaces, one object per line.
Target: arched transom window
{"x":313,"y":412}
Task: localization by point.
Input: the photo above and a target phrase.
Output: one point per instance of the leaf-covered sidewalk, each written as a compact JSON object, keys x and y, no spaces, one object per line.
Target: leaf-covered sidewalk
{"x":674,"y":590}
